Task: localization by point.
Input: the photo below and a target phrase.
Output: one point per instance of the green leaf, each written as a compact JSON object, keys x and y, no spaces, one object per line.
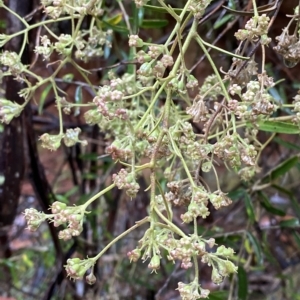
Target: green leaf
{"x":242,"y":284}
{"x":256,"y":247}
{"x":286,"y":144}
{"x":43,"y":97}
{"x":78,"y":100}
{"x":294,"y":201}
{"x":237,"y":194}
{"x":71,"y":192}
{"x":218,"y":295}
{"x":289,"y":223}
{"x":160,"y":9}
{"x":68,"y":77}
{"x":222,"y":21}
{"x":277,"y":127}
{"x":266,"y":204}
{"x":115,"y":20}
{"x":158,"y":23}
{"x":116,"y":28}
{"x":296,"y":237}
{"x":249,"y":208}
{"x":280,"y":169}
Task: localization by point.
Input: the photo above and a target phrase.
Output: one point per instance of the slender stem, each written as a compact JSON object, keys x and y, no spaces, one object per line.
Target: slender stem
{"x":138,"y":224}
{"x":173,"y":227}
{"x":102,"y":192}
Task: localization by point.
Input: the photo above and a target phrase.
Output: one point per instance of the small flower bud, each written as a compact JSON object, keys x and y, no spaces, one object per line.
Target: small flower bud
{"x":51,"y":142}
{"x":134,"y":255}
{"x":91,"y":278}
{"x":135,"y":41}
{"x":154,"y":263}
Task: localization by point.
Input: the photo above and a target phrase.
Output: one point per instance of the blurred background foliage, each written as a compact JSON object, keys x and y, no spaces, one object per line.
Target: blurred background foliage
{"x":261,"y":225}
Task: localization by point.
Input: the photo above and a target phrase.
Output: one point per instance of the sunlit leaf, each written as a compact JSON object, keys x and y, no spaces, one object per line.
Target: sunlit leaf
{"x":277,"y":127}
{"x":115,"y":20}
{"x":68,"y":77}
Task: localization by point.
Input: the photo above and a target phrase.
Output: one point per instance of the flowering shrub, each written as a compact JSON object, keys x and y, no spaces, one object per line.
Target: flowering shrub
{"x":153,"y":113}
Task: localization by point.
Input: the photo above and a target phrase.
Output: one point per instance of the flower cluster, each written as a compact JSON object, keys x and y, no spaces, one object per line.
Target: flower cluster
{"x":179,"y":194}
{"x":46,"y":48}
{"x":9,"y":110}
{"x":150,"y":244}
{"x":197,"y":206}
{"x":13,"y":61}
{"x":53,"y":141}
{"x":235,"y":151}
{"x":187,"y":247}
{"x":94,"y":45}
{"x":126,"y":181}
{"x":34,"y":218}
{"x":289,"y":47}
{"x":198,"y":110}
{"x":76,"y":269}
{"x":56,"y":8}
{"x":184,"y":249}
{"x":109,"y":97}
{"x":63,"y":214}
{"x":198,"y":7}
{"x":256,"y":27}
{"x":154,"y":62}
{"x":222,"y":267}
{"x":192,"y":291}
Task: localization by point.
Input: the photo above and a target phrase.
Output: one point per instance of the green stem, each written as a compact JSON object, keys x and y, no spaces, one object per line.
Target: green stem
{"x":173,"y":227}
{"x":102,"y":192}
{"x":142,"y":120}
{"x":138,"y":224}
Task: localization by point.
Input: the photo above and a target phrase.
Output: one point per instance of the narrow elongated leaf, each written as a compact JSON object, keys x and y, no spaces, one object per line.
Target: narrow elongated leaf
{"x":78,"y":100}
{"x":158,"y":23}
{"x":242,"y":284}
{"x":237,"y":194}
{"x":249,"y":208}
{"x":294,"y":202}
{"x":222,"y":21}
{"x":218,"y":295}
{"x":278,"y":127}
{"x":296,"y":237}
{"x":256,"y":247}
{"x":117,"y":28}
{"x":286,"y":144}
{"x":268,"y":206}
{"x":43,"y":97}
{"x":281,"y":169}
{"x":160,"y":9}
{"x":289,"y":223}
{"x":284,"y":167}
{"x":115,"y":20}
